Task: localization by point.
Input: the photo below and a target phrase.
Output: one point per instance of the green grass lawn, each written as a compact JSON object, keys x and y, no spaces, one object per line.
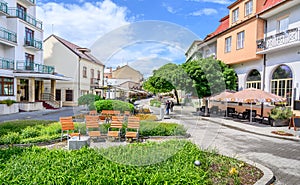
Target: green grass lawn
{"x":169,"y":162}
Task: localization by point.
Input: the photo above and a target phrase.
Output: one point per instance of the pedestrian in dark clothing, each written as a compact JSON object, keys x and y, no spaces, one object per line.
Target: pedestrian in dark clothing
{"x":168,"y":106}
{"x":171,"y":106}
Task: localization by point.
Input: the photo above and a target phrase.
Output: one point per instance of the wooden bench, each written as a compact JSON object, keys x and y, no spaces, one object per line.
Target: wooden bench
{"x":115,"y":129}
{"x":93,"y":112}
{"x":92,"y":126}
{"x":67,"y":125}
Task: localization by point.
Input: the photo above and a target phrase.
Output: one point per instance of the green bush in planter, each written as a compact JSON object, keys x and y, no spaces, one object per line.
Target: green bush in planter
{"x":113,"y":105}
{"x":8,"y":102}
{"x":281,"y":113}
{"x":89,"y":100}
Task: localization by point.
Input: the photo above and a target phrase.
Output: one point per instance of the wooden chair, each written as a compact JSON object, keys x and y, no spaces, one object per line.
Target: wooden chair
{"x":132,"y":129}
{"x":92,"y":126}
{"x":115,"y":129}
{"x":119,"y":118}
{"x":93,"y":112}
{"x":109,"y":113}
{"x":67,"y":125}
{"x":295,"y":122}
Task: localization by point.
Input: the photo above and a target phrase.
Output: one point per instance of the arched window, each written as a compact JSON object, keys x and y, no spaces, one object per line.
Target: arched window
{"x":282,"y":82}
{"x":253,"y":80}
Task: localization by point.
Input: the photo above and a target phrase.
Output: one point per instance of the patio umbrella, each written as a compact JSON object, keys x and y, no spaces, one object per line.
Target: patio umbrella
{"x":253,"y":95}
{"x":222,"y":97}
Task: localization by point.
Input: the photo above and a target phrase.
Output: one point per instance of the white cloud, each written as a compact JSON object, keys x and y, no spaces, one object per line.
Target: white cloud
{"x":205,"y":11}
{"x":169,"y":8}
{"x":223,"y":2}
{"x":83,"y":23}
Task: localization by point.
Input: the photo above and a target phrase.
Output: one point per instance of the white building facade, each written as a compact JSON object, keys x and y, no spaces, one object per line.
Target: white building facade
{"x":22,"y":70}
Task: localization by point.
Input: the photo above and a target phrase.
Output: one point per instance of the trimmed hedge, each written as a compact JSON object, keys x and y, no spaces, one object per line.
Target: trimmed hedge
{"x":113,"y":105}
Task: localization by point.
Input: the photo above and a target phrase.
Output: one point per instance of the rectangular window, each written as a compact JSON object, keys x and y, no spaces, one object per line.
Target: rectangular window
{"x":6,"y":86}
{"x":84,"y":75}
{"x":98,"y":75}
{"x":283,"y":24}
{"x":21,"y":12}
{"x":69,"y":95}
{"x":248,"y":7}
{"x":240,"y":40}
{"x":29,"y":37}
{"x":92,"y":73}
{"x":228,"y":44}
{"x":29,"y":62}
{"x":235,"y":15}
{"x":58,"y":94}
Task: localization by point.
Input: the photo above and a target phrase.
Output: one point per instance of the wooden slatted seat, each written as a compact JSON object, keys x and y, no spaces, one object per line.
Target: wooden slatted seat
{"x":119,"y":118}
{"x":109,"y":113}
{"x":93,"y":112}
{"x":92,"y":126}
{"x":133,"y":126}
{"x":67,"y":125}
{"x":115,"y":129}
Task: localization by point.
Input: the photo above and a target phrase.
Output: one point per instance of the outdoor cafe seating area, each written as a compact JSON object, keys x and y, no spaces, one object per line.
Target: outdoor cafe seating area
{"x":249,"y":104}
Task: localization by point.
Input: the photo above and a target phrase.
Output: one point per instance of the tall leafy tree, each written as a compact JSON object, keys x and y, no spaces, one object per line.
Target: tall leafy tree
{"x":177,"y":76}
{"x":156,"y":84}
{"x":210,"y":76}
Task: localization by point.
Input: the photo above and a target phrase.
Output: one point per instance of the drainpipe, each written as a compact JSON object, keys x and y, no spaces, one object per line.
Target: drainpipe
{"x":79,"y":59}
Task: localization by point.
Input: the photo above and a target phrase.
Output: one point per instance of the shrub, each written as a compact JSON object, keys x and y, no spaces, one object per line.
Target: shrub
{"x":281,"y":113}
{"x":29,"y":132}
{"x":113,"y":105}
{"x":151,"y":128}
{"x":11,"y":138}
{"x":89,"y":100}
{"x":155,"y":103}
{"x":19,"y":125}
{"x":8,"y":102}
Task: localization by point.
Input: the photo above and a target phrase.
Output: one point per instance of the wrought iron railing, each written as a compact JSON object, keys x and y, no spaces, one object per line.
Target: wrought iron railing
{"x":34,"y":67}
{"x":33,"y":43}
{"x":3,"y":6}
{"x":8,"y":35}
{"x":26,"y":17}
{"x":279,"y":39}
{"x":6,"y":63}
{"x":50,"y":99}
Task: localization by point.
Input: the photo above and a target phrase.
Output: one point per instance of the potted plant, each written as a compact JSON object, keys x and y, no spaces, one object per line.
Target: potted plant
{"x":280,"y":116}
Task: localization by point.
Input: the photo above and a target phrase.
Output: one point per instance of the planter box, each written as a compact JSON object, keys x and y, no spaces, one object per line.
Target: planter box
{"x":31,"y":106}
{"x":4,"y":109}
{"x":279,"y":122}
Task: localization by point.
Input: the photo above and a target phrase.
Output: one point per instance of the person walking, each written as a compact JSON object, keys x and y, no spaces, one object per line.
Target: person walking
{"x":168,"y":106}
{"x":171,"y":106}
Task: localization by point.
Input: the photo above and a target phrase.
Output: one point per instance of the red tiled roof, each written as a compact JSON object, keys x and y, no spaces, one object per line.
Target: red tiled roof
{"x":74,"y":48}
{"x":268,"y":4}
{"x":224,"y":24}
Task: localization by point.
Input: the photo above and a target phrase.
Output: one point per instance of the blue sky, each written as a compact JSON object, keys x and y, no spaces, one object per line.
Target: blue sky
{"x":85,"y":22}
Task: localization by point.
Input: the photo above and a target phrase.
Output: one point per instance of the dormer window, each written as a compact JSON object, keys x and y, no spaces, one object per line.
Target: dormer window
{"x":248,"y":7}
{"x":235,"y":15}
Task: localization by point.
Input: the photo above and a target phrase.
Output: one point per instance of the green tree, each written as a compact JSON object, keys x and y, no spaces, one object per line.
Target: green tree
{"x":157,"y":84}
{"x":176,"y":75}
{"x":210,"y":76}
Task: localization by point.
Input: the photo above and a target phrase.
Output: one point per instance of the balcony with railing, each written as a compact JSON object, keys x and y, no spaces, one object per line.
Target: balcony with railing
{"x":284,"y":39}
{"x":3,"y":8}
{"x":6,"y":63}
{"x":33,"y":44}
{"x":34,"y":67}
{"x":15,"y":12}
{"x":28,"y":2}
{"x":7,"y":36}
